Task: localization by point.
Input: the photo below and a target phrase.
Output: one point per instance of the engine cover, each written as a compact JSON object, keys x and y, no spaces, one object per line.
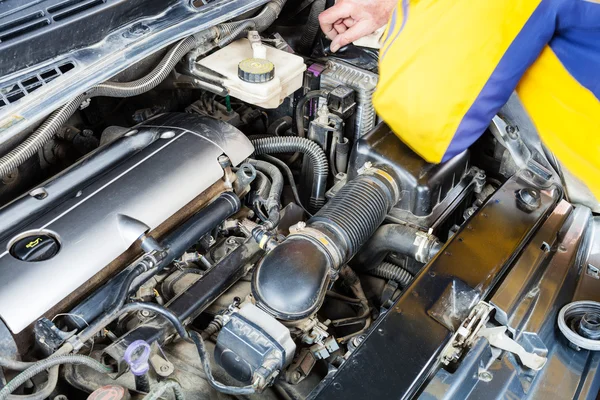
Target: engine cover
{"x":64,"y":232}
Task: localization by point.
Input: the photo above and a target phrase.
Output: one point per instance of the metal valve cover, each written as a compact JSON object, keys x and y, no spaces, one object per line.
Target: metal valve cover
{"x":97,"y":209}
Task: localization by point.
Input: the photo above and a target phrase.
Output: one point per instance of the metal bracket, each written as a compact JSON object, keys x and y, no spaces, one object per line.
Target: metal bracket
{"x":497,"y":337}
{"x":466,"y":334}
{"x":473,"y":327}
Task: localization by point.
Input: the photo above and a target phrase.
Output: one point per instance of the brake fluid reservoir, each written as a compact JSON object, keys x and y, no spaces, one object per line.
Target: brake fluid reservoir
{"x":257,"y":74}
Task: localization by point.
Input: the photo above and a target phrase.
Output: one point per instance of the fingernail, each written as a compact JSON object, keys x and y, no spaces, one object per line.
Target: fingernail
{"x":334,"y":47}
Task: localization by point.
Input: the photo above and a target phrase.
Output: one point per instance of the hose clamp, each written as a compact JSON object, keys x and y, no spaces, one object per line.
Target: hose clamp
{"x":300,"y":229}
{"x":369,"y":169}
{"x":423,"y":242}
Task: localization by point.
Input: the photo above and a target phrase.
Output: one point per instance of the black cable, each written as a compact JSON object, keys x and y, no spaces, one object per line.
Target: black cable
{"x":290,"y":176}
{"x":203,"y":354}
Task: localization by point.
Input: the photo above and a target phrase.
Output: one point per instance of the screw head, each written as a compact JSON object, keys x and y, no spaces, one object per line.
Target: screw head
{"x":485,"y":376}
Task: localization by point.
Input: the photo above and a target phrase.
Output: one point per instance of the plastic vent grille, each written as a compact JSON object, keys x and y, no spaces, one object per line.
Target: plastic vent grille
{"x":40,"y":18}
{"x":21,"y":88}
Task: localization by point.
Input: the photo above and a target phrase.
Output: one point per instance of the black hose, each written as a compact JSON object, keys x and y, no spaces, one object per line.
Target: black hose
{"x":273,"y":201}
{"x":293,"y":288}
{"x":279,"y":125}
{"x":142,"y":384}
{"x":312,"y":28}
{"x":257,"y":197}
{"x":232,"y":390}
{"x":300,"y":111}
{"x":199,"y":224}
{"x":401,"y":239}
{"x":127,"y":284}
{"x":107,"y":318}
{"x":290,"y":176}
{"x":342,"y":149}
{"x":332,"y":151}
{"x":312,"y":150}
{"x":300,"y":108}
{"x":393,"y":272}
{"x":177,"y":242}
{"x":356,"y":211}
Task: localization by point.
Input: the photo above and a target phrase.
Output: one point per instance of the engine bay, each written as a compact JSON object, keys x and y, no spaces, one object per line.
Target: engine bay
{"x":230,"y":218}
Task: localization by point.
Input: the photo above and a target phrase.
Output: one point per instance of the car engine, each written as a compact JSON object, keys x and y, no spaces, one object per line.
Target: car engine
{"x":228,"y":218}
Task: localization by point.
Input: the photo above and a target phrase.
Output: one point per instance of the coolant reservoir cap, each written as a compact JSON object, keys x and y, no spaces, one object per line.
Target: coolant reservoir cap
{"x":256,"y":70}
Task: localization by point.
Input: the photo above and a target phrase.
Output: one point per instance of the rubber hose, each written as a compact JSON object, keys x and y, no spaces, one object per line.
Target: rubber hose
{"x":392,"y":272}
{"x":142,"y":383}
{"x":107,"y":318}
{"x":293,"y":288}
{"x":341,"y":155}
{"x":290,"y":177}
{"x":48,"y":129}
{"x":14,"y":365}
{"x":263,"y":185}
{"x":356,"y":211}
{"x":48,"y":363}
{"x":300,"y":108}
{"x":283,"y":123}
{"x":332,"y":151}
{"x":157,"y":309}
{"x":273,"y":201}
{"x":126,"y":286}
{"x":401,"y":239}
{"x":160,"y":388}
{"x":309,"y":148}
{"x":203,"y":354}
{"x":312,"y":28}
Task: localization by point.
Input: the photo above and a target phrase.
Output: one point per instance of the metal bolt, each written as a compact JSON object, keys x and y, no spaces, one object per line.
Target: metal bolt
{"x":529,"y":198}
{"x":145,"y":313}
{"x":485,"y":376}
{"x":301,"y":225}
{"x":164,"y":368}
{"x":512,"y":131}
{"x":224,"y":161}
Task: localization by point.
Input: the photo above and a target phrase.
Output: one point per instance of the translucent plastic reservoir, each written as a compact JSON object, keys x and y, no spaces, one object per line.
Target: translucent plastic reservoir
{"x":289,"y":70}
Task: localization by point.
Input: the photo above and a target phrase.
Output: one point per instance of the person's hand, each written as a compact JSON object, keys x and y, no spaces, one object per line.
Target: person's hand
{"x":349,"y":20}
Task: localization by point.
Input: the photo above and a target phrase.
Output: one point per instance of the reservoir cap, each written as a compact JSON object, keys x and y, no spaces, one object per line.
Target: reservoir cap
{"x":256,"y":70}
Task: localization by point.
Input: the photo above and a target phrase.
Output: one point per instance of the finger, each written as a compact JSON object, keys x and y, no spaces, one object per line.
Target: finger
{"x":329,"y":17}
{"x":349,"y":22}
{"x":358,"y":30}
{"x":340,"y":27}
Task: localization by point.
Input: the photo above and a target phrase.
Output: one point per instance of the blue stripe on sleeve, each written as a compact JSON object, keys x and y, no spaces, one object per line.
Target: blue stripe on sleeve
{"x":523,"y":51}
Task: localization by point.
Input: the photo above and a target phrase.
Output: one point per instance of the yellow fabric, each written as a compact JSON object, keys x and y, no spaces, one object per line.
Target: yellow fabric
{"x":434,"y":69}
{"x":567,"y":116}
